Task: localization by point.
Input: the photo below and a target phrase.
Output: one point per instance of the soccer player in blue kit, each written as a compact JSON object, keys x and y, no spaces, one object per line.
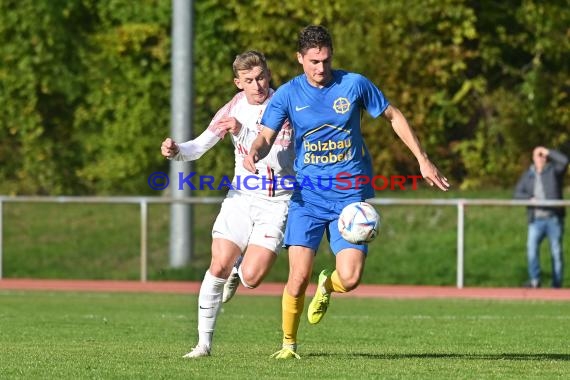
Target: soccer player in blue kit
{"x":324,"y":107}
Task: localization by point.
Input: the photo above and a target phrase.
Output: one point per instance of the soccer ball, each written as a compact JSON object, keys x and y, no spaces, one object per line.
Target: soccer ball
{"x":358,"y":223}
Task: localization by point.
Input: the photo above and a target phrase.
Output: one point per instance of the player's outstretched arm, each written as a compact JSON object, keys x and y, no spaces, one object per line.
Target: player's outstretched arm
{"x":259,"y":148}
{"x":190,"y":150}
{"x":400,"y":125}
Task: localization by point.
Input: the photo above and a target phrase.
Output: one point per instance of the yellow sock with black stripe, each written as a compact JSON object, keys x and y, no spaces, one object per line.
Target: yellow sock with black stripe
{"x":336,"y":284}
{"x":292,"y":308}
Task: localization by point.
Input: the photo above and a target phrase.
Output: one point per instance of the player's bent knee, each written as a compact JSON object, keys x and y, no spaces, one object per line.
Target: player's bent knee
{"x":297,"y":288}
{"x":220,"y":270}
{"x":350,"y":283}
{"x":248,"y":278}
{"x":248,"y":283}
{"x":351,"y":286}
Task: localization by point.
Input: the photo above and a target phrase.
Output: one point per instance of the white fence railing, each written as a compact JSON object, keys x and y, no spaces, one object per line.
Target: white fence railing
{"x":143,"y":203}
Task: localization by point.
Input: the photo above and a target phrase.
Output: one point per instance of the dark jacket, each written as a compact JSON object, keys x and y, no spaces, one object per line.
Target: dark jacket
{"x":552,"y":181}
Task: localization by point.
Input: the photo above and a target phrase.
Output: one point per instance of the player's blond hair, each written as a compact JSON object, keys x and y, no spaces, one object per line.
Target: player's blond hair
{"x":248,"y":60}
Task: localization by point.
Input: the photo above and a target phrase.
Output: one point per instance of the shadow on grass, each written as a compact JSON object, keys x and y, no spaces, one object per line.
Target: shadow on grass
{"x":504,"y":356}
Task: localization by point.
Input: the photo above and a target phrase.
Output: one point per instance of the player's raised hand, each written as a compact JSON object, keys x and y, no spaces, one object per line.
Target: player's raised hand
{"x":229,"y":124}
{"x":432,"y":175}
{"x":169,"y":148}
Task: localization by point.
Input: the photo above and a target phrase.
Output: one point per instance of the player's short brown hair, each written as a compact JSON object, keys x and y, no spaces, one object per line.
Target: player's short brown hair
{"x":314,"y":36}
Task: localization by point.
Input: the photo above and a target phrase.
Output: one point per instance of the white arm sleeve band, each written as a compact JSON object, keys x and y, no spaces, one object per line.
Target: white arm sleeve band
{"x":194,"y":149}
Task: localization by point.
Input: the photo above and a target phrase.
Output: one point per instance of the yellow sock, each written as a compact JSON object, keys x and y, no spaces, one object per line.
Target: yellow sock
{"x":336,"y":284}
{"x":292,"y":308}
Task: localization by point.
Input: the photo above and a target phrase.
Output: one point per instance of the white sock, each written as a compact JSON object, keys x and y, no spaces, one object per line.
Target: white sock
{"x":209,"y":303}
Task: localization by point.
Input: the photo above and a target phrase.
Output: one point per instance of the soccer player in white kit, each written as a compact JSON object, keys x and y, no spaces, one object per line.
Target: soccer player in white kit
{"x":252,"y":218}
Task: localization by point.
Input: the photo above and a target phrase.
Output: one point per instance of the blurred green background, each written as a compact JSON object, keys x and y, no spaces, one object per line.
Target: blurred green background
{"x":416,"y":244}
{"x":85,"y":94}
{"x":85,"y":84}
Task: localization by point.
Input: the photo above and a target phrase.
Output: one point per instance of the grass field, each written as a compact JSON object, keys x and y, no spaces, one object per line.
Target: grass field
{"x":416,"y":245}
{"x":55,"y":335}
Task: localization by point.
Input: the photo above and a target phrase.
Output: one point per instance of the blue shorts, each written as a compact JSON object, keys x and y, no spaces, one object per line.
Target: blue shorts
{"x":307,"y":222}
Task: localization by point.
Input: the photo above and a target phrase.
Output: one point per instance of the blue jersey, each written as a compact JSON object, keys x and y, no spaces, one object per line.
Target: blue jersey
{"x":330,"y":152}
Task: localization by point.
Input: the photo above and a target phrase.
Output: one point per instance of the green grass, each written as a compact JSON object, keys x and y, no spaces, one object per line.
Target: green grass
{"x":47,"y":335}
{"x":416,"y":245}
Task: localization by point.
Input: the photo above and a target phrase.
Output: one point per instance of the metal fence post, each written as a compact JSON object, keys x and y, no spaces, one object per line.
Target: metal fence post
{"x":144,"y":229}
{"x":460,"y":242}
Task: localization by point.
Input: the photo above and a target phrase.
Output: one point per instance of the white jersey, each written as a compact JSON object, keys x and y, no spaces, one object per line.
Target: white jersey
{"x":275,"y":178}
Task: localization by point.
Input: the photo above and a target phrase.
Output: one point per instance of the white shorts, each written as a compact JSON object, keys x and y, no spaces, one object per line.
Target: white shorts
{"x":245,"y":219}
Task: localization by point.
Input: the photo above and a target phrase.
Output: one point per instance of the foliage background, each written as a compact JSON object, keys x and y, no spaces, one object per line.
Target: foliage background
{"x":85,"y":84}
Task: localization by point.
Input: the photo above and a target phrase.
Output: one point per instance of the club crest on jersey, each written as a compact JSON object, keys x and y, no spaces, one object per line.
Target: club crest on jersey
{"x":341,"y":105}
